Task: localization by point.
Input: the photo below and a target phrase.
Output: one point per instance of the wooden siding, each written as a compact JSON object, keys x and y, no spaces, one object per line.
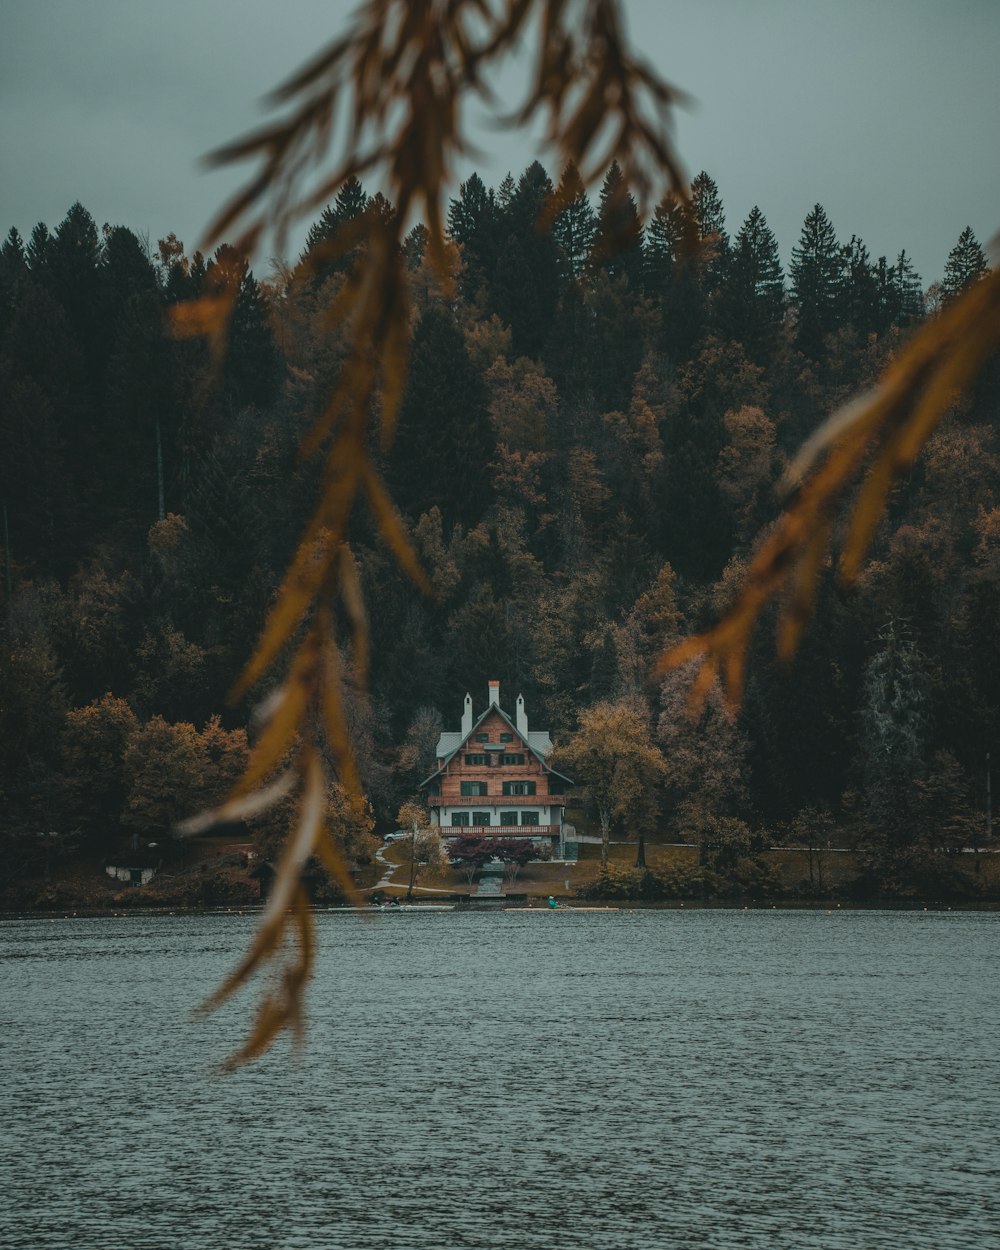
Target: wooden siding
{"x":495,"y":800}
{"x":457,"y":771}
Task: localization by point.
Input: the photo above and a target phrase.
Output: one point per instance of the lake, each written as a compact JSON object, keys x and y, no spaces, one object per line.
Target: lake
{"x":614,"y":1080}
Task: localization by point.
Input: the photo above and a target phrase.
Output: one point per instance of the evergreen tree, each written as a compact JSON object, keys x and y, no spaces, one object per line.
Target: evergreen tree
{"x":37,"y":251}
{"x":909,"y":302}
{"x":752,"y":304}
{"x":574,"y":225}
{"x":322,"y":245}
{"x":138,"y":425}
{"x":253,"y":366}
{"x":672,"y":277}
{"x":894,"y":732}
{"x":414,"y":246}
{"x":473,"y":222}
{"x":966,"y":264}
{"x":526,"y":283}
{"x":665,"y":239}
{"x":505,"y":193}
{"x":709,"y":214}
{"x":443,"y":445}
{"x":860,"y":303}
{"x":710,"y":221}
{"x":13,"y":274}
{"x":72,"y":262}
{"x":816,"y":268}
{"x":126,"y":269}
{"x":617,"y":245}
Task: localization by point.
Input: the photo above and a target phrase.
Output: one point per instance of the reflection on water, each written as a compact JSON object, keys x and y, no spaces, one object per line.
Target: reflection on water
{"x":620,"y":1080}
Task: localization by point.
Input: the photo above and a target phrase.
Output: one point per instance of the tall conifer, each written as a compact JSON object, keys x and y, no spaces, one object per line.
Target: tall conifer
{"x":817,"y":264}
{"x":966,"y":264}
{"x":575,"y":223}
{"x":752,"y":303}
{"x":617,"y":246}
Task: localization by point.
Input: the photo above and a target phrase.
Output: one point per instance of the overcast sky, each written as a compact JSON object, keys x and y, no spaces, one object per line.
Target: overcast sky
{"x":887,"y":112}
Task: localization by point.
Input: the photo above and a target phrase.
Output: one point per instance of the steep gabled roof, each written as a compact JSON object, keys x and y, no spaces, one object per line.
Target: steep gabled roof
{"x":449,"y":744}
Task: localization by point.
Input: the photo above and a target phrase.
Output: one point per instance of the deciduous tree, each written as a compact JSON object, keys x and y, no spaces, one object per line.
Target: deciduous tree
{"x":613,"y":755}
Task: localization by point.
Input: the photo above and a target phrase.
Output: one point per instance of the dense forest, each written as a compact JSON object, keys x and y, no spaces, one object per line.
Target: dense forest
{"x":596,"y":419}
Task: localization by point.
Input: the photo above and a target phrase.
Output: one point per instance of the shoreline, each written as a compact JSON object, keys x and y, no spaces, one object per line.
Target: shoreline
{"x":735,"y":904}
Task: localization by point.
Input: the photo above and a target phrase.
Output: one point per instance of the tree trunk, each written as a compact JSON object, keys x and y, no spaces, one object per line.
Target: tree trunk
{"x":160,"y":501}
{"x":640,"y":856}
{"x":413,"y":864}
{"x":605,"y":836}
{"x":7,"y":580}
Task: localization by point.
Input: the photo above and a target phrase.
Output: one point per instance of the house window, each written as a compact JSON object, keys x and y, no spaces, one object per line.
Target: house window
{"x":509,"y":818}
{"x":506,"y":737}
{"x":460,"y":818}
{"x":482,"y":737}
{"x":477,"y":759}
{"x":513,"y":759}
{"x":473,"y":787}
{"x":529,"y":818}
{"x":519,"y":787}
{"x":480,"y":818}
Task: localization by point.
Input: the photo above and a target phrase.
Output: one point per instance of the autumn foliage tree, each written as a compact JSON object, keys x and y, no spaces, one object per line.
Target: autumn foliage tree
{"x":612,"y":754}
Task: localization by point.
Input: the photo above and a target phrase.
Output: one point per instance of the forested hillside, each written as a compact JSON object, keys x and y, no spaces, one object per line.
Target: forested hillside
{"x":587,"y":452}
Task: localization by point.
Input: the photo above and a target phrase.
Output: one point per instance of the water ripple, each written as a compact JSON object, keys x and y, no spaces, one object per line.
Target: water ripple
{"x":627,"y":1080}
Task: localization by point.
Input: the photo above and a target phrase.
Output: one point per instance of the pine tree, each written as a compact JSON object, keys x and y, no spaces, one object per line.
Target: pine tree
{"x":526,"y":283}
{"x":126,"y":272}
{"x":37,"y":251}
{"x":860,"y":304}
{"x":752,"y":304}
{"x":505,"y":192}
{"x":708,"y":211}
{"x":816,"y":268}
{"x":710,"y":220}
{"x":909,"y":292}
{"x":665,"y":238}
{"x":253,"y":367}
{"x":574,"y":225}
{"x":444,"y":445}
{"x":966,"y":264}
{"x":894,"y":731}
{"x":13,"y":274}
{"x":473,"y":222}
{"x":349,"y":206}
{"x":73,"y":257}
{"x":672,"y":277}
{"x":617,"y":246}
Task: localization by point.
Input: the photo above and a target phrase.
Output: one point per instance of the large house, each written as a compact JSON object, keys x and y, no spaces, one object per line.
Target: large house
{"x":493,"y":780}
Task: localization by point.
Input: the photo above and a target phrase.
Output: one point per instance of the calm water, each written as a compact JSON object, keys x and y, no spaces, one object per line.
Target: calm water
{"x":618,"y":1081}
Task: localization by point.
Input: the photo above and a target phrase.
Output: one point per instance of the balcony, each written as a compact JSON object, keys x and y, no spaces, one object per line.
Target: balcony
{"x":497,"y":831}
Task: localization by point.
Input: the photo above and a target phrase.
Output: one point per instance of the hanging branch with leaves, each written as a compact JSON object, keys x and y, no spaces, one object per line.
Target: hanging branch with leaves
{"x":392,"y":93}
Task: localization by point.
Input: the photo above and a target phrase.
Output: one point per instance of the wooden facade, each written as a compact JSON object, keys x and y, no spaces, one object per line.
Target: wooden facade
{"x":493,"y":779}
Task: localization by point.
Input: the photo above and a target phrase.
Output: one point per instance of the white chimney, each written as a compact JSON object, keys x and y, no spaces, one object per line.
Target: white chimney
{"x":467,"y":716}
{"x":494,"y":694}
{"x":522,"y":718}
